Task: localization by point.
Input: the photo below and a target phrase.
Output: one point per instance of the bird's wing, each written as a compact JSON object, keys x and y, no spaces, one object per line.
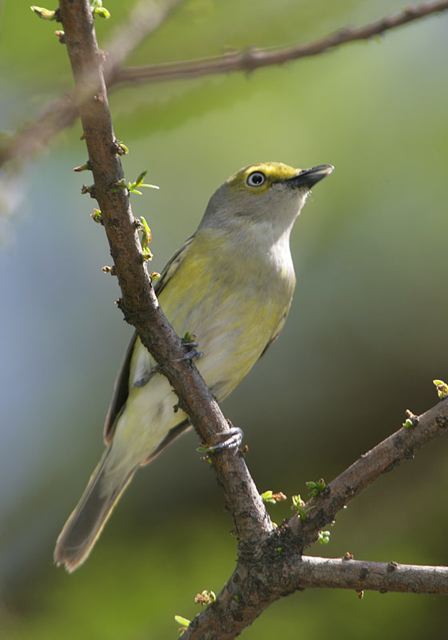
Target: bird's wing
{"x":121,"y":387}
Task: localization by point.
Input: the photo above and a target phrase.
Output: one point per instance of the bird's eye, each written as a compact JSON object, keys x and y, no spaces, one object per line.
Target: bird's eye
{"x":256,"y":179}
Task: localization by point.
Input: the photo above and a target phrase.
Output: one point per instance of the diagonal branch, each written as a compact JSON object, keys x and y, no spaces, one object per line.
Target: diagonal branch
{"x":254,"y":58}
{"x":61,"y":113}
{"x":384,"y":457}
{"x":139,"y":303}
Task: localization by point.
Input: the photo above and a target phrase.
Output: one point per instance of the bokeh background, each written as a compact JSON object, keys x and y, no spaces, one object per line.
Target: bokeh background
{"x":365,"y":337}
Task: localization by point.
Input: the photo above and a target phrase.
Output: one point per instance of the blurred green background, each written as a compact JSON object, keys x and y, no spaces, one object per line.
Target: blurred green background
{"x":365,"y":337}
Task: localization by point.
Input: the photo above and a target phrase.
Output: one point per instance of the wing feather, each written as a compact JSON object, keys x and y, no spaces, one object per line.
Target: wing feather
{"x":121,"y":386}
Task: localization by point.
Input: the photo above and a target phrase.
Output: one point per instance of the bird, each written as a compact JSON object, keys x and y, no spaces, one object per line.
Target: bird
{"x":230,"y":286}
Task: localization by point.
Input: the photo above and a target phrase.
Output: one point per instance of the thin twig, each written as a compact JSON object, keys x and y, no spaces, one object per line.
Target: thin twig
{"x":139,"y":303}
{"x":254,"y":58}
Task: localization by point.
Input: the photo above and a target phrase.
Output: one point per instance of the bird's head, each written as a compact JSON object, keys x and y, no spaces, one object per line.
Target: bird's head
{"x":267,"y":192}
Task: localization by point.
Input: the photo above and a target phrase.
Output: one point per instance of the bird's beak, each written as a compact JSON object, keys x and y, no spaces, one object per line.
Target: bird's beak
{"x":309,"y":177}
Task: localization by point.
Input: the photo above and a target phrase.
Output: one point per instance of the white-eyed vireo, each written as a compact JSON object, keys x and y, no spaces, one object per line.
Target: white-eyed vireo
{"x":231,"y":286}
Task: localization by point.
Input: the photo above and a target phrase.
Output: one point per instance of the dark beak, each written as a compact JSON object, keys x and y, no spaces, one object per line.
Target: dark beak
{"x":309,"y":177}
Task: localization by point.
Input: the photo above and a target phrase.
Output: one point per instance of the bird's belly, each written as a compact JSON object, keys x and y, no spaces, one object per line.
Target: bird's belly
{"x":231,"y":325}
{"x":231,"y":335}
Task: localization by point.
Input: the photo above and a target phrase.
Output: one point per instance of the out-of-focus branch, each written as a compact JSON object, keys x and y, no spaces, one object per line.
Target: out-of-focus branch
{"x":139,"y":303}
{"x":254,"y":58}
{"x":146,"y":17}
{"x":61,"y":112}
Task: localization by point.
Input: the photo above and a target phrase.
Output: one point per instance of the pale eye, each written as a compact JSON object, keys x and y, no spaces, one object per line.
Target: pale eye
{"x":256,"y":179}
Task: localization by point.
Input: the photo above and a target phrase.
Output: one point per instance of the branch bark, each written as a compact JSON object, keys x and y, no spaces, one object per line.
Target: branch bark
{"x":279,"y":568}
{"x":384,"y":457}
{"x":139,"y":303}
{"x":341,"y":573}
{"x":246,"y":595}
{"x":61,"y":113}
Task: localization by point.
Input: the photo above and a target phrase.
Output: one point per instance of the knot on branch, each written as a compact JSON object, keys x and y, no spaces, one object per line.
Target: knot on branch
{"x":134,"y":317}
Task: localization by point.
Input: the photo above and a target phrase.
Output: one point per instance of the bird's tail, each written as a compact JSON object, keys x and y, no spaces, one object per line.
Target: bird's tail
{"x":87,"y":521}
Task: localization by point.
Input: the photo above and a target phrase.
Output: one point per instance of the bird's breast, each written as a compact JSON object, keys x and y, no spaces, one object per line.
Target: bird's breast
{"x":232,"y":302}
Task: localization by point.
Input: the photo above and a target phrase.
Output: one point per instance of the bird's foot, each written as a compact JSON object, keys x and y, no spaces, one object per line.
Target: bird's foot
{"x":190,"y":345}
{"x":232,"y":440}
{"x":190,"y":355}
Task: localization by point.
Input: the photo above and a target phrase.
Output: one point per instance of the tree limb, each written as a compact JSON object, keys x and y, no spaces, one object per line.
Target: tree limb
{"x":341,"y":573}
{"x":384,"y":457}
{"x":139,"y":303}
{"x":279,"y":569}
{"x":61,"y":113}
{"x":254,"y":58}
{"x":247,"y":594}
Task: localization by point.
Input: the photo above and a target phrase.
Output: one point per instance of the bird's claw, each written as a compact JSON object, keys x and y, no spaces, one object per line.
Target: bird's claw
{"x":233,"y":440}
{"x":190,"y":345}
{"x":190,"y":355}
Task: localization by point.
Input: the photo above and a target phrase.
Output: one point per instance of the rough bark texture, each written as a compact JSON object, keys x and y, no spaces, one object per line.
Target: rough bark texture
{"x":342,"y":573}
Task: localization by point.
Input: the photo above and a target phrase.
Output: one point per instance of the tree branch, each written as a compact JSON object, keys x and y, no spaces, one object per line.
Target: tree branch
{"x":139,"y":303}
{"x":240,"y":600}
{"x":384,"y":457}
{"x":337,"y":573}
{"x":61,"y":113}
{"x":279,"y":568}
{"x":254,"y":58}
